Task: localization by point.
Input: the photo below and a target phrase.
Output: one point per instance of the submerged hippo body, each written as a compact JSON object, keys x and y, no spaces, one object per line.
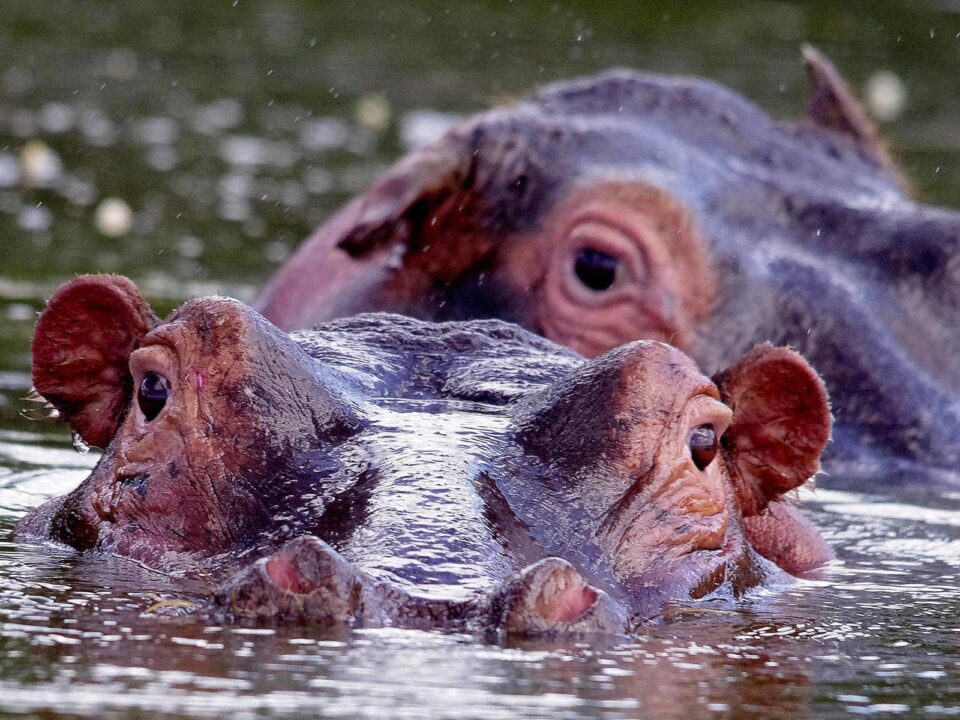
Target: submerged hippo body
{"x":387,"y":470}
{"x":627,"y":206}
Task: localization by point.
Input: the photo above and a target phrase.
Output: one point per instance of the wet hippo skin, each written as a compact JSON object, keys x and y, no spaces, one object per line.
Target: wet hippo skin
{"x":629,"y":206}
{"x":382,"y":469}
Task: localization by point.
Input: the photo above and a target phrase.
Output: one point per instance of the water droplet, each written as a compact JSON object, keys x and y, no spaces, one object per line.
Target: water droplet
{"x":79,"y":445}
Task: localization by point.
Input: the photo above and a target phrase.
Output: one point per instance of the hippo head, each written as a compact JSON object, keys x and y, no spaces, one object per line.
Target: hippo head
{"x":197,"y":416}
{"x":679,"y":478}
{"x":451,"y":454}
{"x":629,"y":206}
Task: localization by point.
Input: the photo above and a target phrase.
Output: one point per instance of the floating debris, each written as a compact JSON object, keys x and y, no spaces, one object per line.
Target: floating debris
{"x":113,"y":217}
{"x":886,"y":95}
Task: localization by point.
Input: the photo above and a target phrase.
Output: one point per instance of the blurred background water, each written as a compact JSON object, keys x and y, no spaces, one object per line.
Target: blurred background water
{"x":191,"y":145}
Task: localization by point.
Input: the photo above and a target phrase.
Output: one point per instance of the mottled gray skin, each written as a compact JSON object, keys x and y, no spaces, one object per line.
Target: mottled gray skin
{"x":384,"y":470}
{"x":810,"y":235}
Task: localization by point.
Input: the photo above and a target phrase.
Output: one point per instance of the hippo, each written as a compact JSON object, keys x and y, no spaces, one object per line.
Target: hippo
{"x":383,"y":470}
{"x":630,"y":206}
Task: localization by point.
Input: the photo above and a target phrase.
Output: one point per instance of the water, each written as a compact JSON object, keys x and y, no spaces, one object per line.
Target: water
{"x":192,"y":147}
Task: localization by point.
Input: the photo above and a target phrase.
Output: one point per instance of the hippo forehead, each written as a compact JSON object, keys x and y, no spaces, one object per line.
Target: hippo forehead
{"x":687,"y":135}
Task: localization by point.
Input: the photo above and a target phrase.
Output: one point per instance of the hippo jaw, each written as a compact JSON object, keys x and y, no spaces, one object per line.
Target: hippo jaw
{"x":214,"y":404}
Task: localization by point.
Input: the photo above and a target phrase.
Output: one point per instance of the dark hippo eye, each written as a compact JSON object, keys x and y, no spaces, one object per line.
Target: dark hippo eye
{"x":596,"y":269}
{"x":152,"y":395}
{"x":703,"y":446}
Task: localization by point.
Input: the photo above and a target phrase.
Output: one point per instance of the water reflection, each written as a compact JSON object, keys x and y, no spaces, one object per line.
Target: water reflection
{"x":873,"y":636}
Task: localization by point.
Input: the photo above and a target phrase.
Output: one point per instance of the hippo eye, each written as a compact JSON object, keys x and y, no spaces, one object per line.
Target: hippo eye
{"x":596,"y":269}
{"x":703,"y":446}
{"x":152,"y":395}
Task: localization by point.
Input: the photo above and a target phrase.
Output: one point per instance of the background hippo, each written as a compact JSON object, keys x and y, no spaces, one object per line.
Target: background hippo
{"x":385,"y":469}
{"x":626,"y":206}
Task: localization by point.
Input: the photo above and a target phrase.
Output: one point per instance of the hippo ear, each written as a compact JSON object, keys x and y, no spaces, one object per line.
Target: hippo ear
{"x":83,"y":341}
{"x":833,"y":106}
{"x":780,"y":424}
{"x":409,"y":194}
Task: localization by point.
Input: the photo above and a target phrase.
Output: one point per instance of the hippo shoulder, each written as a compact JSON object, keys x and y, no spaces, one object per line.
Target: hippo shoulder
{"x":486,"y":361}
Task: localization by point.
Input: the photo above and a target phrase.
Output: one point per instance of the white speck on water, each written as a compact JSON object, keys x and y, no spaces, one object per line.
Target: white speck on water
{"x":121,"y":64}
{"x":78,"y":191}
{"x":98,"y":129}
{"x":35,"y":218}
{"x":886,"y":95}
{"x":39,"y":164}
{"x":156,"y":130}
{"x":220,"y":115}
{"x":317,"y":181}
{"x":190,"y":247}
{"x":113,"y":217}
{"x":162,"y":158}
{"x":9,"y":170}
{"x":20,"y":312}
{"x":248,"y":150}
{"x":420,"y":127}
{"x":373,"y":112}
{"x":324,"y":134}
{"x":56,"y":118}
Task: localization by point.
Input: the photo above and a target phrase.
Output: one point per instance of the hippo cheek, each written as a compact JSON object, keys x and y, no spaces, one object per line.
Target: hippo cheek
{"x":680,"y":539}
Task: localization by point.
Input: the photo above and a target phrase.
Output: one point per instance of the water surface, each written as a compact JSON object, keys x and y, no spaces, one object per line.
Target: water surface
{"x":229,"y":130}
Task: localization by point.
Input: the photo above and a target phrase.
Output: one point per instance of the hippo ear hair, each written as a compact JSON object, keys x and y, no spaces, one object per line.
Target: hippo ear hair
{"x":81,"y":348}
{"x":834,"y":107}
{"x":406,"y":196}
{"x":780,"y":425}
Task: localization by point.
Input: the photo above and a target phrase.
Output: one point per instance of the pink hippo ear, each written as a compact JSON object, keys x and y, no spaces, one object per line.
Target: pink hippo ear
{"x":780,"y":426}
{"x":82,"y":344}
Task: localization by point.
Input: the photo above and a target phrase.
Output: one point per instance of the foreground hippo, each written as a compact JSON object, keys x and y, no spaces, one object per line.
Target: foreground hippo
{"x":387,"y":470}
{"x":628,"y":206}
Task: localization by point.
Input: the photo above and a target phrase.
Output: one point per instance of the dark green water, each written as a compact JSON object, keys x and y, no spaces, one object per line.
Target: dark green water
{"x":230,"y":129}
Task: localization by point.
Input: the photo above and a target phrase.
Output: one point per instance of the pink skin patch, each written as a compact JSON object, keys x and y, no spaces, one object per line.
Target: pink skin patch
{"x":565,"y":599}
{"x":574,"y":604}
{"x":285,"y":574}
{"x":200,"y":381}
